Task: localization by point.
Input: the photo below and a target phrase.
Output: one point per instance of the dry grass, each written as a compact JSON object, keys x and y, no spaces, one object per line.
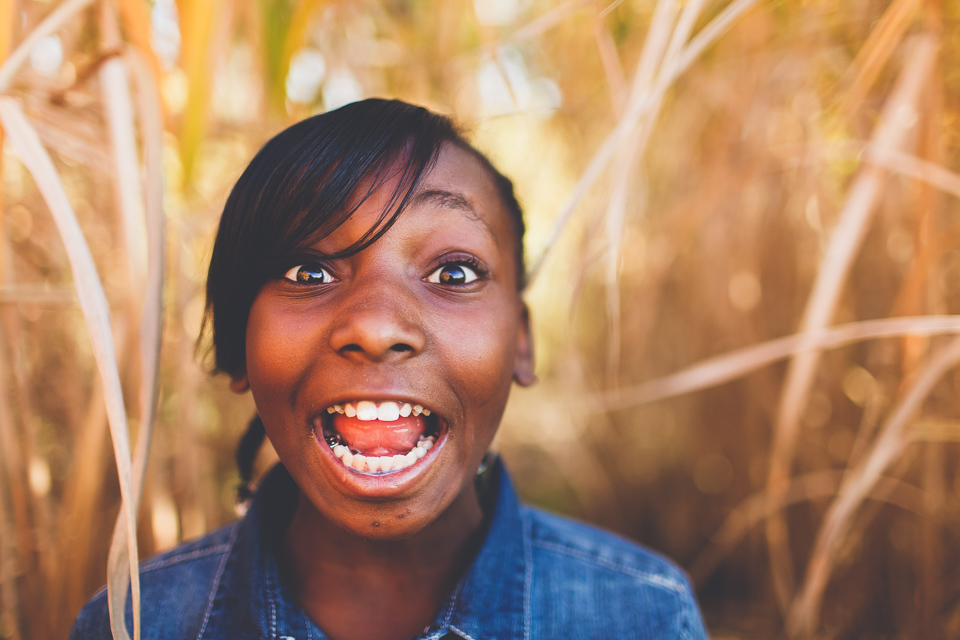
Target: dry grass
{"x":713,"y":187}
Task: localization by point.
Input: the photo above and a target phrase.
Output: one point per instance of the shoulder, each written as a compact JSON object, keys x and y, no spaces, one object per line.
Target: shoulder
{"x":175,"y":591}
{"x":603,"y":585}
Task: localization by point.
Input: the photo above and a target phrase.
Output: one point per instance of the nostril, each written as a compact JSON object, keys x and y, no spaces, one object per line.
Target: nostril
{"x":398,"y":348}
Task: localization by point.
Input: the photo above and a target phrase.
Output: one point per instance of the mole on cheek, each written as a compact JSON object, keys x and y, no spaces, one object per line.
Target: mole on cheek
{"x":376,"y":523}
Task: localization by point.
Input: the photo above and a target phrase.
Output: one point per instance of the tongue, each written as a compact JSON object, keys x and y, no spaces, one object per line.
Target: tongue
{"x":379,"y":438}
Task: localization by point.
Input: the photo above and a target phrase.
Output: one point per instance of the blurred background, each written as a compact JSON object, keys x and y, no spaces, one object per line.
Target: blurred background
{"x":745,"y":237}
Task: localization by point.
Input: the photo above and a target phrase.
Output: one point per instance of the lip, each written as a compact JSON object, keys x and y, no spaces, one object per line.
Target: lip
{"x":378,"y":487}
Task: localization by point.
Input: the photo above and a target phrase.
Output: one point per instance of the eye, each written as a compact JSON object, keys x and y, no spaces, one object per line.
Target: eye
{"x":308,"y":274}
{"x":453,"y":274}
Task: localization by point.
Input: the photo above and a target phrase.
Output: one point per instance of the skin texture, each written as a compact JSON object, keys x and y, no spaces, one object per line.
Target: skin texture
{"x":376,"y":556}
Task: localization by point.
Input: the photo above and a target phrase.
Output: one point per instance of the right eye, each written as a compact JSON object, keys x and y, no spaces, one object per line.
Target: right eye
{"x":308,"y":274}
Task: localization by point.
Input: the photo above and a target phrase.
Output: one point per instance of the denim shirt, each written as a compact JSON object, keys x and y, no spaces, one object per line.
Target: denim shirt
{"x":536,"y":576}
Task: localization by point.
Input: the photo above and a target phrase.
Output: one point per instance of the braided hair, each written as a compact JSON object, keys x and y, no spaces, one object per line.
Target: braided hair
{"x":247,"y":451}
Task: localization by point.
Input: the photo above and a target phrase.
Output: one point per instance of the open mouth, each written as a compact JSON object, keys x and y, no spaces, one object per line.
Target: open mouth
{"x":378,"y":438}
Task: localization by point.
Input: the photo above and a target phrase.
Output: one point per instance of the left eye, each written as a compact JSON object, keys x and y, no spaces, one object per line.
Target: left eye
{"x":453,"y":274}
{"x":308,"y":274}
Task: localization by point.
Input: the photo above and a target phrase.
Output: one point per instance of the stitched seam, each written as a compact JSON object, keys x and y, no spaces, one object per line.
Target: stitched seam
{"x":272,"y":602}
{"x":528,"y":572}
{"x":684,"y":628}
{"x":216,"y":581}
{"x":463,"y":634}
{"x":193,"y":555}
{"x":687,"y":620}
{"x":274,"y":605}
{"x":684,"y":621}
{"x":454,"y":598}
{"x":651,"y":578}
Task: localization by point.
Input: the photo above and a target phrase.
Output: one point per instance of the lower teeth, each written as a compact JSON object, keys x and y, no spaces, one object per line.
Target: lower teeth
{"x":379,"y":464}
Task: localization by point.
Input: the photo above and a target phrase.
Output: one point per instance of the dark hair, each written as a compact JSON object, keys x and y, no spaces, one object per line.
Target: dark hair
{"x":303,"y":184}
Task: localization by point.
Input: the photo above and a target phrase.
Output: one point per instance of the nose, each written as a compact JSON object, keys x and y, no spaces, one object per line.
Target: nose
{"x":379,"y":325}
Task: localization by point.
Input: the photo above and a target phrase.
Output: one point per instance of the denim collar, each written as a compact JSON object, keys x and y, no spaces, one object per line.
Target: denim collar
{"x":491,"y":601}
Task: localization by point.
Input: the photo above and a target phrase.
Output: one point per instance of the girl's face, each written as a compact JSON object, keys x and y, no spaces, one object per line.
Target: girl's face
{"x":342,"y":353}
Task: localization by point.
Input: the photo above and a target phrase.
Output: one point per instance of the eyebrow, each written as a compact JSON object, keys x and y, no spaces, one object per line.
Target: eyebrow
{"x":453,"y":201}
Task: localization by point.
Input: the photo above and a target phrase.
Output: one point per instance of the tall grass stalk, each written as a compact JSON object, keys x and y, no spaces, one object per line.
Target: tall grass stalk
{"x":643,"y":101}
{"x":804,"y":616}
{"x":721,"y":369}
{"x":93,"y":303}
{"x":896,"y":121}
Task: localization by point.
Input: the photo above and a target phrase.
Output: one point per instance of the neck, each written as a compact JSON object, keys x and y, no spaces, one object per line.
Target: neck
{"x":354,"y":588}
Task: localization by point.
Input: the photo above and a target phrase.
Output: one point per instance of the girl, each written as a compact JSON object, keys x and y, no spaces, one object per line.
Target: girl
{"x":365,"y":286}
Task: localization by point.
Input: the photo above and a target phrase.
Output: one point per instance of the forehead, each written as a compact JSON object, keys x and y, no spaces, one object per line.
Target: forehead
{"x":459,"y":182}
{"x":458,"y":190}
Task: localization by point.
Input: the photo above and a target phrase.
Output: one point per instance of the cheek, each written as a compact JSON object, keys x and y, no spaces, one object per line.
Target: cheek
{"x":483,"y":361}
{"x":273,"y":337}
{"x":277,"y":349}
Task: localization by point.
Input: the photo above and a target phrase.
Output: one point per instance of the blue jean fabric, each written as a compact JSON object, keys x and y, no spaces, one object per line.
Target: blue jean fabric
{"x":536,"y":576}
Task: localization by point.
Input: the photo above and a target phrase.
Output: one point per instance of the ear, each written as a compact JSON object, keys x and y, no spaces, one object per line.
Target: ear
{"x":523,"y":366}
{"x":239,"y":383}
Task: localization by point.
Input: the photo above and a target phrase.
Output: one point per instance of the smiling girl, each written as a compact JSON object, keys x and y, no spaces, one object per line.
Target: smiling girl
{"x":365,"y":286}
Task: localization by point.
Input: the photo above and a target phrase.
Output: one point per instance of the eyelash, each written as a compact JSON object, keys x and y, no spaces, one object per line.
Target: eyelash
{"x":465,"y":260}
{"x":470,"y":261}
{"x":312,"y":265}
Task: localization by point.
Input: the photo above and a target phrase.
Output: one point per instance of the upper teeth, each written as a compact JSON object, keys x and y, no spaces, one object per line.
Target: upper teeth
{"x":386,"y":411}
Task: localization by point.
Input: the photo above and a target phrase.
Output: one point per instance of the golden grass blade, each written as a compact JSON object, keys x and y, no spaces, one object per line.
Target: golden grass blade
{"x":151,"y":326}
{"x":126,"y":164}
{"x":875,"y":53}
{"x":730,"y":366}
{"x":14,"y":478}
{"x":84,"y":484}
{"x":550,"y":19}
{"x":905,"y":164}
{"x":9,"y":476}
{"x":812,"y":486}
{"x":612,"y":69}
{"x":7,"y":21}
{"x":895,"y":122}
{"x":126,"y":172}
{"x":136,"y":28}
{"x":804,"y":615}
{"x":654,"y":47}
{"x":935,"y":430}
{"x":93,"y":304}
{"x":13,"y":379}
{"x":709,"y":34}
{"x":196,"y":26}
{"x":625,"y":126}
{"x":911,"y":166}
{"x":58,"y":18}
{"x":294,"y":38}
{"x":609,"y":8}
{"x":18,"y":294}
{"x":659,"y":36}
{"x":681,"y":34}
{"x":8,"y":583}
{"x":7,"y":11}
